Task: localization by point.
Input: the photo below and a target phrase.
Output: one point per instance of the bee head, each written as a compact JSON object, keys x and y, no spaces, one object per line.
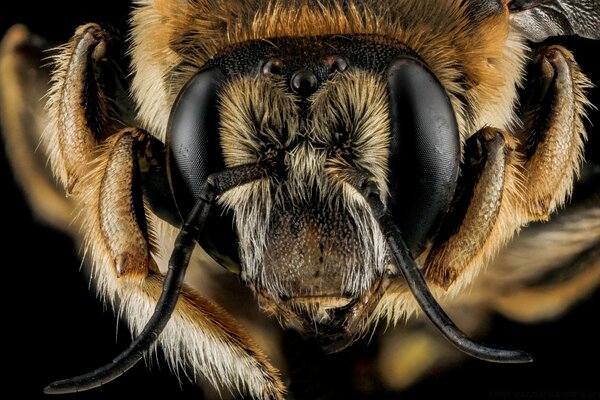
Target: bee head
{"x":326,"y":114}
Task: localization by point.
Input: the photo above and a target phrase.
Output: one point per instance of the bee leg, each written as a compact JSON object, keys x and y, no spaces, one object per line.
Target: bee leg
{"x":112,"y":210}
{"x":200,"y":335}
{"x":80,"y":112}
{"x":524,"y":283}
{"x":23,"y":83}
{"x":102,"y":166}
{"x":549,"y":267}
{"x":480,"y":206}
{"x":554,"y":134}
{"x":538,"y":177}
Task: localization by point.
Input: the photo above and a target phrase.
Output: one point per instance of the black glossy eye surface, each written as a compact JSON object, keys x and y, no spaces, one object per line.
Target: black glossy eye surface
{"x":271,"y":67}
{"x":336,"y":63}
{"x":194,"y":152}
{"x":192,"y":138}
{"x":304,"y":82}
{"x":424,"y":151}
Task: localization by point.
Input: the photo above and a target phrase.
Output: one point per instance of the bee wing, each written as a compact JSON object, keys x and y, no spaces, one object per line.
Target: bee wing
{"x":24,"y":81}
{"x":541,"y":19}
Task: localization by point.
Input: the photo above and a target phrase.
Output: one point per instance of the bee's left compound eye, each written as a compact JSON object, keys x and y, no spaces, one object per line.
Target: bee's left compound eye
{"x":194,"y":153}
{"x":424,"y":150}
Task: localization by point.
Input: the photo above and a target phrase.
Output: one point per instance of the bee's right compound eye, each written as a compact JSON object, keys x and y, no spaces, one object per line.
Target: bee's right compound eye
{"x":194,"y":152}
{"x":424,"y":151}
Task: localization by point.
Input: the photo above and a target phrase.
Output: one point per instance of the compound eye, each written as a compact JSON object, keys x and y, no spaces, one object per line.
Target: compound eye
{"x":424,"y":151}
{"x":194,"y":152}
{"x":193,"y":138}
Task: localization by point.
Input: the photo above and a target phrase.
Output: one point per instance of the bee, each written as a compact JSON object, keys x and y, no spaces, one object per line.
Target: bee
{"x":349,"y":161}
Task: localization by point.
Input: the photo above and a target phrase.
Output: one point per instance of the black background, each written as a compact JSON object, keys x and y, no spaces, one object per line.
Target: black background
{"x":53,"y":327}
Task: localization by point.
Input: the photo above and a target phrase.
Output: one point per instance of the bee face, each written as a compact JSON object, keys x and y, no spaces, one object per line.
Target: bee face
{"x":319,"y":248}
{"x":318,"y":109}
{"x":308,"y":243}
{"x":343,"y":157}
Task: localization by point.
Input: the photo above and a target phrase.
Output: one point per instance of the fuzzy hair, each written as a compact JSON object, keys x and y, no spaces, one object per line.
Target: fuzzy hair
{"x":71,"y":135}
{"x":479,"y":62}
{"x":200,"y":338}
{"x":255,"y":112}
{"x":100,"y":172}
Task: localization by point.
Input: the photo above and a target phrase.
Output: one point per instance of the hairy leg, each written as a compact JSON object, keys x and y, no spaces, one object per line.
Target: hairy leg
{"x":554,"y":134}
{"x":101,"y":170}
{"x":510,"y":188}
{"x":488,"y":189}
{"x":534,"y":180}
{"x":23,"y":84}
{"x":549,"y":267}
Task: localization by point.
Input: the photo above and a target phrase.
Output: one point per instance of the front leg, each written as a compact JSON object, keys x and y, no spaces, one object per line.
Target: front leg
{"x":24,"y":77}
{"x":554,"y":135}
{"x":536,"y":179}
{"x":102,"y":171}
{"x":487,"y":190}
{"x":112,"y":206}
{"x":553,"y":264}
{"x":78,"y":108}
